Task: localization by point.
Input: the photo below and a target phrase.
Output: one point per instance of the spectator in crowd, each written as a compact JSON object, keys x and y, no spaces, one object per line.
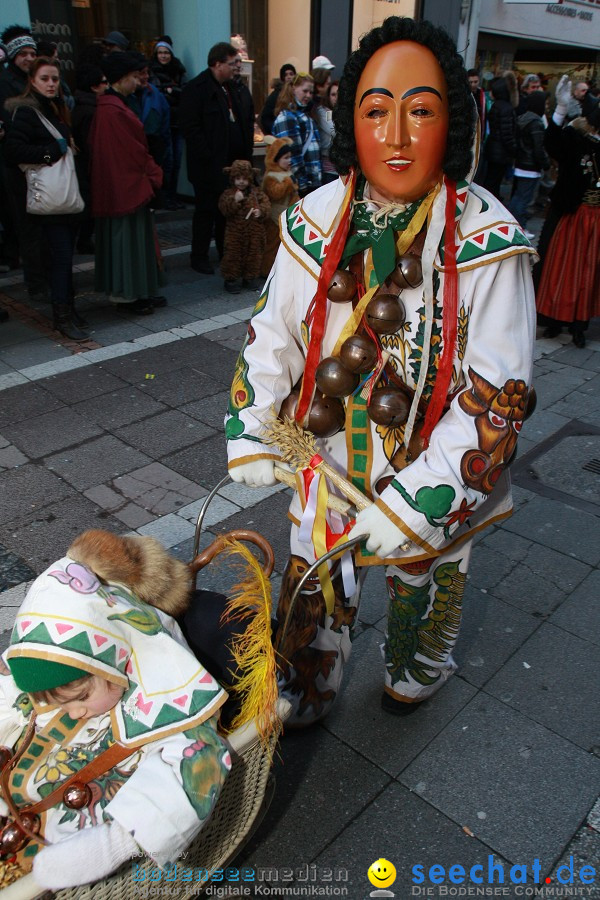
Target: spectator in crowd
{"x":115,"y":42}
{"x":332,"y":94}
{"x":91,"y":82}
{"x":287,"y":73}
{"x":169,"y":76}
{"x":322,"y":62}
{"x":294,"y":120}
{"x":50,"y":50}
{"x":124,"y":179}
{"x":323,"y":115}
{"x":582,"y":101}
{"x":531,"y":159}
{"x":530,"y":84}
{"x":569,"y":286}
{"x":30,"y":141}
{"x":152,"y":108}
{"x":5,"y":220}
{"x":245,"y":102}
{"x":479,"y":98}
{"x":501,"y":144}
{"x":211,"y":122}
{"x":24,"y":234}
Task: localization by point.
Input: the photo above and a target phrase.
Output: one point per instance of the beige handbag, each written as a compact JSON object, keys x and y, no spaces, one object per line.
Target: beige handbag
{"x":53,"y":190}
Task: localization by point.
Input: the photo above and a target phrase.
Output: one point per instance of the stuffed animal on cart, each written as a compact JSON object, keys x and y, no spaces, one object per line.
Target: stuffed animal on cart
{"x":281,"y":188}
{"x":113,"y":717}
{"x":246,"y":209}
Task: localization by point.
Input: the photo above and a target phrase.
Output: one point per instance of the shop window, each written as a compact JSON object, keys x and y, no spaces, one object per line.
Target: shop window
{"x":249,"y":18}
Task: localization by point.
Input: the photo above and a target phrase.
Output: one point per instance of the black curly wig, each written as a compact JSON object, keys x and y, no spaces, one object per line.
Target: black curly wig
{"x":458,"y":158}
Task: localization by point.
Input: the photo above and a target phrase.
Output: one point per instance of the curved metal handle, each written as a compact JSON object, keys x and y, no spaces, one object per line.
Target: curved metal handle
{"x":200,"y":520}
{"x":304,"y":578}
{"x":241,"y":534}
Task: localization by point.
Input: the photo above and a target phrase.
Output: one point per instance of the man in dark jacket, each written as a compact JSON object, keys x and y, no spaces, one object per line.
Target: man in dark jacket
{"x":91,"y":84}
{"x":23,"y":234}
{"x":531,"y":159}
{"x":211,"y":120}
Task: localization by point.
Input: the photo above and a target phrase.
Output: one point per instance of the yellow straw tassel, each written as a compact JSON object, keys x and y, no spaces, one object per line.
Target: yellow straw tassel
{"x":253,"y":651}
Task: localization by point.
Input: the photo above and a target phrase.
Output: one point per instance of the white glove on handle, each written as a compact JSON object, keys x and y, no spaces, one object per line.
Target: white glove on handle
{"x":89,"y":855}
{"x":563,"y":98}
{"x":383,"y":536}
{"x":258,"y":473}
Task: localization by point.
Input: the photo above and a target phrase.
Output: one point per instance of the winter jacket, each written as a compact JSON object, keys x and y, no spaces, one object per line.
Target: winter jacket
{"x":12,"y":83}
{"x":570,"y":146}
{"x":204,"y":119}
{"x":29,"y":141}
{"x":301,"y":128}
{"x":531,"y":154}
{"x":169,"y":80}
{"x":501,"y":145}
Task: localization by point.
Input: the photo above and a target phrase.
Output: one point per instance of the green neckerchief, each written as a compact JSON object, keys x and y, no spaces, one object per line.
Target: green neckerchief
{"x":380,"y":237}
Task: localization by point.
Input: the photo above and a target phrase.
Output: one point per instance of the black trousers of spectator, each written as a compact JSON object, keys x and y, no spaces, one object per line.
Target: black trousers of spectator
{"x":29,"y":233}
{"x":206,"y":222}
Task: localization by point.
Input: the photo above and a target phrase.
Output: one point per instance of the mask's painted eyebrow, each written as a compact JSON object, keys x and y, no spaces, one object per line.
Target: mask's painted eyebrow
{"x":419,"y":90}
{"x":376,"y":91}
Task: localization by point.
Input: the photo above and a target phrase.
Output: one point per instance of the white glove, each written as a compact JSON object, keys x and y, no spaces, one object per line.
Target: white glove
{"x":563,"y":98}
{"x":383,"y":536}
{"x":258,"y":473}
{"x":89,"y":855}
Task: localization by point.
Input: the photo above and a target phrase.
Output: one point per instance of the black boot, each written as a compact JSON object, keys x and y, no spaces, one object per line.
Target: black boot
{"x":75,"y":317}
{"x":64,"y":323}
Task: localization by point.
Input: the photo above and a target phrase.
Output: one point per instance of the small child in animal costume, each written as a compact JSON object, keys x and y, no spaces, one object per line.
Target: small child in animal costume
{"x":98,"y":675}
{"x":246,"y":208}
{"x":282,"y":190}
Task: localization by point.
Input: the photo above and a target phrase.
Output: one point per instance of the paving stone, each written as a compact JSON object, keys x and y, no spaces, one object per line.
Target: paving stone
{"x":31,"y":353}
{"x":533,"y":786}
{"x":25,"y":401}
{"x":42,"y":538}
{"x":118,"y":408}
{"x":358,"y":720}
{"x":542,"y":424}
{"x":14,"y":596}
{"x":158,"y":361}
{"x":125,"y":511}
{"x":153,"y":488}
{"x":551,"y":387}
{"x":29,"y":488}
{"x":561,"y":527}
{"x":529,"y":576}
{"x":580,"y":613}
{"x":73,"y":387}
{"x":402,"y":827}
{"x":245,"y":496}
{"x":563,"y":467}
{"x":218,"y":510}
{"x":164,"y":433}
{"x":51,"y":432}
{"x":204,"y":463}
{"x":117,"y":328}
{"x":14,"y":332}
{"x":533,"y":683}
{"x":96,"y":462}
{"x":169,"y":530}
{"x":574,"y":356}
{"x":490,"y":633}
{"x":270,"y":519}
{"x":583,"y":850}
{"x":12,"y":570}
{"x":182,"y":386}
{"x":373,"y":597}
{"x":313,"y":770}
{"x":10,"y":457}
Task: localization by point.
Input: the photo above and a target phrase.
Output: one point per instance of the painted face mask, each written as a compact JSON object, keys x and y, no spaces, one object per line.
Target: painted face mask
{"x":401,"y":121}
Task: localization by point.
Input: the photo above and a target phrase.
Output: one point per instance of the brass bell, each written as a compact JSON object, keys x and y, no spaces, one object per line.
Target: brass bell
{"x":5,"y":756}
{"x":287,"y":409}
{"x":12,"y":838}
{"x":389,"y":407}
{"x":31,"y":821}
{"x":408,"y":272}
{"x":342,"y":286}
{"x":326,"y":417}
{"x":358,"y":353}
{"x":385,"y":313}
{"x":333,"y":379}
{"x":77,"y":795}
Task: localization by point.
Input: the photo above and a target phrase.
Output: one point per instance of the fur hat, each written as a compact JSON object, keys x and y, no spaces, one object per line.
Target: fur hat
{"x":117,"y":65}
{"x":276,"y":147}
{"x":140,"y":563}
{"x":241,"y":168}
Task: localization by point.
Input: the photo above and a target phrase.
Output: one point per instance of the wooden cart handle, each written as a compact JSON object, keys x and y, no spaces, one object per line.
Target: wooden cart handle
{"x":240,"y":534}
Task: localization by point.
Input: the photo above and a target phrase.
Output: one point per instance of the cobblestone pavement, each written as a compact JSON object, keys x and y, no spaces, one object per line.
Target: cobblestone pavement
{"x":502,"y":764}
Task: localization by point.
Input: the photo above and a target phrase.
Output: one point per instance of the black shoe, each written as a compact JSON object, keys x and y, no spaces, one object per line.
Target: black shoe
{"x":158,"y":302}
{"x":579,"y":339}
{"x":233,"y":286}
{"x":75,"y":317}
{"x":552,"y":331}
{"x":203,"y":267}
{"x":141,"y":307}
{"x":253,"y":284}
{"x":64,"y":324}
{"x":398,"y":707}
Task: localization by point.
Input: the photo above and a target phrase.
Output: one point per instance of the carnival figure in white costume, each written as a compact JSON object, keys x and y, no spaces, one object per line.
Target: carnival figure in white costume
{"x":397,"y":324}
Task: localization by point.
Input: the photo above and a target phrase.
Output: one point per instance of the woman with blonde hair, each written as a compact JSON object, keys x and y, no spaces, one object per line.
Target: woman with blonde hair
{"x":294,"y":120}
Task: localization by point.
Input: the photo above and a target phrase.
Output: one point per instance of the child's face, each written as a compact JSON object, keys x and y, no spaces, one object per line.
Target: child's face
{"x":241,"y":183}
{"x":97,"y":697}
{"x":285,"y":161}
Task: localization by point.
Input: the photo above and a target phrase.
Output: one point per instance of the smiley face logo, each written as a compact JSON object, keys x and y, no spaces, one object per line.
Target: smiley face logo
{"x":381,"y":873}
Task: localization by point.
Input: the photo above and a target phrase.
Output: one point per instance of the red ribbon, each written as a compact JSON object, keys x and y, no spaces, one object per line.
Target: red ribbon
{"x":436,"y":404}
